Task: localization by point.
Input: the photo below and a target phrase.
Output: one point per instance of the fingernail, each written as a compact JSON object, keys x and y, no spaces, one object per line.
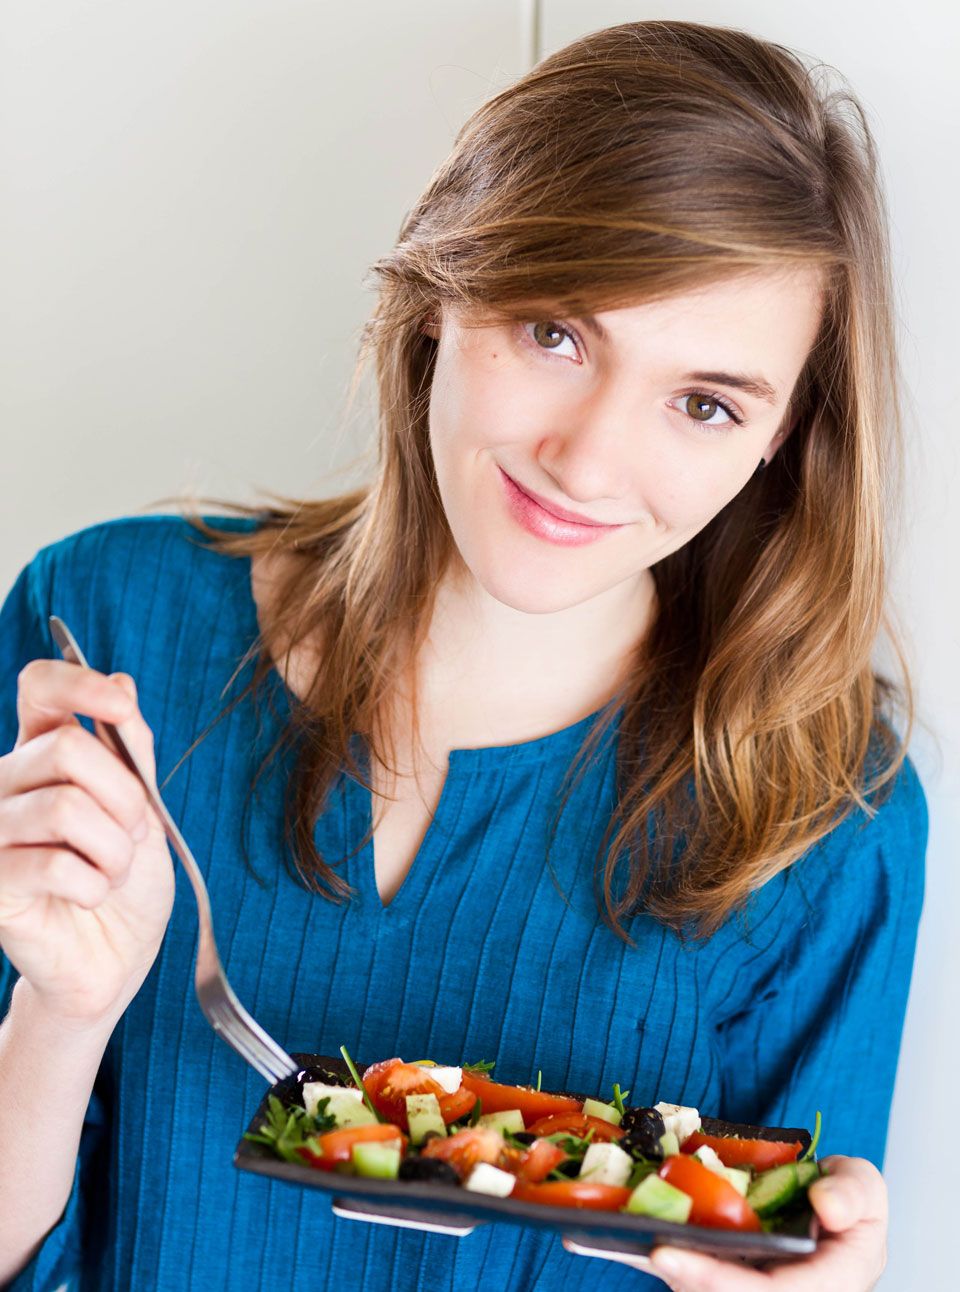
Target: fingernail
{"x":140,"y":833}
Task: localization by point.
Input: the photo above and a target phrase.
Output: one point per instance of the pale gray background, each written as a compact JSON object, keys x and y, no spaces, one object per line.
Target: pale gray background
{"x":191,"y":194}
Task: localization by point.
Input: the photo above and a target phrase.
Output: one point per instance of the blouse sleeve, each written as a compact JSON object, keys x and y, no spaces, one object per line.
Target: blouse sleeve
{"x":55,"y":1265}
{"x":824,"y":1033}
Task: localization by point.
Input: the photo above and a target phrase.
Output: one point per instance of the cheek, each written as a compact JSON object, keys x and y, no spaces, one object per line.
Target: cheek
{"x":479,"y":398}
{"x":686,"y":490}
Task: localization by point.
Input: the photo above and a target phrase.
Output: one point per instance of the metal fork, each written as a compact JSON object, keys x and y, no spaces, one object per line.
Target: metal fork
{"x":217,"y":998}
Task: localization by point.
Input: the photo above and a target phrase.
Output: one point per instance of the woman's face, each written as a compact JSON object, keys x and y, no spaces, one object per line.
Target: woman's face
{"x":645,"y":434}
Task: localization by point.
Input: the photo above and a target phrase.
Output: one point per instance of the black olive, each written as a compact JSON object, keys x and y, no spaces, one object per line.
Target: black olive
{"x":571,"y":1167}
{"x":523,"y":1137}
{"x":643,"y":1128}
{"x":429,"y":1170}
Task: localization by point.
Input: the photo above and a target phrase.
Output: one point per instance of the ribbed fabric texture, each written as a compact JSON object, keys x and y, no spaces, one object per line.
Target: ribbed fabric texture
{"x":797,"y":1008}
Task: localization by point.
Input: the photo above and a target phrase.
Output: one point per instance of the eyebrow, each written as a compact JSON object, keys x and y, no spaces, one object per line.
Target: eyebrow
{"x":757,"y":386}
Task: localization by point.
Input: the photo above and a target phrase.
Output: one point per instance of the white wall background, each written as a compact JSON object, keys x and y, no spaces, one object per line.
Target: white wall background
{"x":190,"y":194}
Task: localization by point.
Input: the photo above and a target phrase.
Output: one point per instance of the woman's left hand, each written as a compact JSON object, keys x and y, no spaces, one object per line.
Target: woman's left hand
{"x":851,"y":1203}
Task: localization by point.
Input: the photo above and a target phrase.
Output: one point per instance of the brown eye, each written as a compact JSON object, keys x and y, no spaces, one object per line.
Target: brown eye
{"x":543,"y":332}
{"x":700,"y":407}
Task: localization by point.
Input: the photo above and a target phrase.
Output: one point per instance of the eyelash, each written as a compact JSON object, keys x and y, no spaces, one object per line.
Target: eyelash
{"x":711,"y":396}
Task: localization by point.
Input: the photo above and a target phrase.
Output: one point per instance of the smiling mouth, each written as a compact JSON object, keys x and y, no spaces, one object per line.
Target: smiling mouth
{"x":560,"y":513}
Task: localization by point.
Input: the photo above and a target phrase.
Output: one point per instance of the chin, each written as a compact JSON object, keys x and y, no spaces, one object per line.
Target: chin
{"x":530,"y":591}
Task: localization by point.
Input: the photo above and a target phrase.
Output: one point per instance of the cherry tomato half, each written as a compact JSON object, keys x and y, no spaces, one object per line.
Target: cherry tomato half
{"x":497,"y":1098}
{"x":715,"y":1201}
{"x":336,"y":1146}
{"x":573,"y":1193}
{"x":468,"y":1147}
{"x":388,"y":1083}
{"x":761,"y":1154}
{"x":577,"y":1124}
{"x":539,"y":1160}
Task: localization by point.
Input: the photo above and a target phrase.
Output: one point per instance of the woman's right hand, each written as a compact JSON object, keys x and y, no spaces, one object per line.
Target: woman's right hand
{"x":86,"y":877}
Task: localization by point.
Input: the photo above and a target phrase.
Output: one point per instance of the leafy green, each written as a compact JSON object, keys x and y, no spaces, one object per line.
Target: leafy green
{"x":572,"y":1145}
{"x":476,"y":1113}
{"x":285,"y":1130}
{"x":618,"y":1099}
{"x":359,"y":1084}
{"x":481,"y":1069}
{"x":642,"y":1168}
{"x":811,"y":1148}
{"x":539,"y":1078}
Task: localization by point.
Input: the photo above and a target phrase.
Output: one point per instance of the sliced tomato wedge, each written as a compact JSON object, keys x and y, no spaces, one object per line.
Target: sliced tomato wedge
{"x":388,"y":1083}
{"x":761,"y":1154}
{"x":533,"y":1104}
{"x":539,"y":1160}
{"x":468,"y":1147}
{"x":715,"y":1201}
{"x":576,"y":1124}
{"x":457,"y":1105}
{"x":336,"y":1146}
{"x":573,"y":1193}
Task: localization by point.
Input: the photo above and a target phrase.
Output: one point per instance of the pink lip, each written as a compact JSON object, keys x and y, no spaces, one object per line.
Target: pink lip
{"x":549,"y":522}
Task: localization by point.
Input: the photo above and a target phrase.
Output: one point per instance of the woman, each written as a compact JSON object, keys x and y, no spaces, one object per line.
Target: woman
{"x":572,"y":757}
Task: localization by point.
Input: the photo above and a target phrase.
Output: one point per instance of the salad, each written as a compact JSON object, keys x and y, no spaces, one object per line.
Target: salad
{"x":458,"y":1127}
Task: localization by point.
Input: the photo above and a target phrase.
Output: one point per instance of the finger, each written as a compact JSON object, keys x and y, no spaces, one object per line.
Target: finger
{"x":27,"y":874}
{"x":137,"y":735}
{"x":624,"y":1258}
{"x":851,"y":1190}
{"x":51,"y":691}
{"x":67,"y":815}
{"x":71,"y":755}
{"x":686,"y":1271}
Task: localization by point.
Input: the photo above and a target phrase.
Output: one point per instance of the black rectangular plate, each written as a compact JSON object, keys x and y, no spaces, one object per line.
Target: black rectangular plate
{"x":448,"y":1209}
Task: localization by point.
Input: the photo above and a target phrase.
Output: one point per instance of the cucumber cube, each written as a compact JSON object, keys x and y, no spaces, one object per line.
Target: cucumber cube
{"x":607,"y":1112}
{"x":655,"y":1197}
{"x":378,"y":1161}
{"x":423,"y":1115}
{"x":508,"y":1122}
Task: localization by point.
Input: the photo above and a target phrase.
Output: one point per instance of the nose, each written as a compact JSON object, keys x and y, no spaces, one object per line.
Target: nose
{"x":588,"y":459}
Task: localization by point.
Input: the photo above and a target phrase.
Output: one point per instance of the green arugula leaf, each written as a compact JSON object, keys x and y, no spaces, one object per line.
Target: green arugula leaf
{"x":481,"y":1069}
{"x":359,"y":1084}
{"x":476,"y":1113}
{"x":539,"y":1078}
{"x":618,"y":1099}
{"x":811,"y":1149}
{"x":640,"y":1171}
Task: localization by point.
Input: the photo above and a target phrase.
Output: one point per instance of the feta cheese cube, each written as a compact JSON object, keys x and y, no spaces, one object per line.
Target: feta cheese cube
{"x":485,"y":1178}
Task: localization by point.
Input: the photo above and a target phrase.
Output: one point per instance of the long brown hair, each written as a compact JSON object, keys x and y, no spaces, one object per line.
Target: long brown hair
{"x":638,"y":162}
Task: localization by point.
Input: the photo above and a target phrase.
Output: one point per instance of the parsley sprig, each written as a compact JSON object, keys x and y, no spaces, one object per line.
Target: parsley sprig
{"x":285,"y":1130}
{"x":481,"y":1069}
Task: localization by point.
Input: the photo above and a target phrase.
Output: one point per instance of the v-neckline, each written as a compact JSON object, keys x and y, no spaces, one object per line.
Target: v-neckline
{"x":462,"y":765}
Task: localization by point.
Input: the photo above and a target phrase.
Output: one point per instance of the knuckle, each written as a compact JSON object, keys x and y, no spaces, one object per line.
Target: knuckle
{"x":67,"y":802}
{"x":59,"y":863}
{"x":68,"y":744}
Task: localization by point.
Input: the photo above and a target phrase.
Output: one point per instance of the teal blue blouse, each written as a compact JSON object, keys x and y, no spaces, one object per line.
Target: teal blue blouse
{"x":483,"y":954}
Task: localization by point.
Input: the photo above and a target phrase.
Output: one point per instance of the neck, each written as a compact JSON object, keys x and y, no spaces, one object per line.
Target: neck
{"x":530,"y":670}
